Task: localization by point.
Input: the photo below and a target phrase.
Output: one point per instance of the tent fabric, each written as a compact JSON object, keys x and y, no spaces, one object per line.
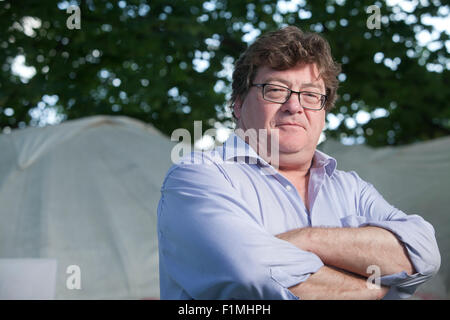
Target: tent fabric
{"x":415,"y":179}
{"x":85,"y":193}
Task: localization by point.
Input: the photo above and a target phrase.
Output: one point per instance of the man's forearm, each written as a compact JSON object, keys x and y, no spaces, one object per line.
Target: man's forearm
{"x":331,"y":284}
{"x":353,"y":249}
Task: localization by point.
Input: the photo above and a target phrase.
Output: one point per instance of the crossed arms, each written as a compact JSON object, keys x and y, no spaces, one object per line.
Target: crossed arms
{"x":347,"y":253}
{"x":213,"y":246}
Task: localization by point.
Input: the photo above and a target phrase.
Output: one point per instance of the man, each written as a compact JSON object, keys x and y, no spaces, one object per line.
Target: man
{"x":268,"y":216}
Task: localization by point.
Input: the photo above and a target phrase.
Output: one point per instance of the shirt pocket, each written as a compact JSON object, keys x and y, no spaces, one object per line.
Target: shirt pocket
{"x":353,"y":221}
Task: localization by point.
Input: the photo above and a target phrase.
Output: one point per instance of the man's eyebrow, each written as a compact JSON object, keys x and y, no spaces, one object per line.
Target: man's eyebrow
{"x":284,"y":81}
{"x":289,"y":84}
{"x":312,"y":85}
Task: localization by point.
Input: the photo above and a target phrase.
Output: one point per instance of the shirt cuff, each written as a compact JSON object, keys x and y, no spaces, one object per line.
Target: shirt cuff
{"x":402,"y":284}
{"x":420,"y":251}
{"x":289,"y":276}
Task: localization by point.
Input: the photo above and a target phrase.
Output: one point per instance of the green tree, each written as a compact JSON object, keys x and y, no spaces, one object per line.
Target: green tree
{"x":168,"y":62}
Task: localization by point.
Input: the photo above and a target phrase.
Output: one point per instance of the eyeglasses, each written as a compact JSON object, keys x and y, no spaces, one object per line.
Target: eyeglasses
{"x":280,"y":94}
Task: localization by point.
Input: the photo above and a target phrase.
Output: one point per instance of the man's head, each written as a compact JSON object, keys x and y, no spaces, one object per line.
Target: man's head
{"x":293,"y":60}
{"x":282,"y":50}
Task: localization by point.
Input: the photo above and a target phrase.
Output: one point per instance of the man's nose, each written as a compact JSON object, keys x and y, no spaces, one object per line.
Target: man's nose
{"x":293,"y":104}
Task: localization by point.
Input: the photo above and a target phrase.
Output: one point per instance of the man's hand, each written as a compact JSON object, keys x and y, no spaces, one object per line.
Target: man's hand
{"x":353,"y":249}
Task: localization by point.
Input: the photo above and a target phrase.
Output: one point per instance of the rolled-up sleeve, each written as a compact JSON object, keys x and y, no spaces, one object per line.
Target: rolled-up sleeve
{"x":413,"y":231}
{"x":212,"y":248}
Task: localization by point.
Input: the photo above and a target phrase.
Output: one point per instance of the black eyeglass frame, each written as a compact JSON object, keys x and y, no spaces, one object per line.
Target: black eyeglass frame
{"x":323,"y":97}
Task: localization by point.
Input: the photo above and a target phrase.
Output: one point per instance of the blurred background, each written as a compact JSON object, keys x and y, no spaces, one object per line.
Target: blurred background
{"x":91,"y":91}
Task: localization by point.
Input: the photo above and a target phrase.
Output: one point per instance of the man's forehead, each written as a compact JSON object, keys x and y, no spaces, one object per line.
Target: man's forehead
{"x":302,"y":73}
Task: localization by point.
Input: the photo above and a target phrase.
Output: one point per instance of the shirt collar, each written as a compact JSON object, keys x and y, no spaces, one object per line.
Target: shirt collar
{"x":236,"y":149}
{"x":321,"y":159}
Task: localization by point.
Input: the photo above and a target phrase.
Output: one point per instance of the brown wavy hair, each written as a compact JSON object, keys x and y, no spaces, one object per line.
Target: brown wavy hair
{"x":282,"y":50}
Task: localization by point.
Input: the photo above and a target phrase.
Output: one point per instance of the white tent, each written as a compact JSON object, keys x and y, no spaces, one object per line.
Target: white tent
{"x":414,"y":178}
{"x":85,"y":194}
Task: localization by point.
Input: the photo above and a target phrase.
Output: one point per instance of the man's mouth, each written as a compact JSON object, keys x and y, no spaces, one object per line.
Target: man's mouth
{"x":291,"y":124}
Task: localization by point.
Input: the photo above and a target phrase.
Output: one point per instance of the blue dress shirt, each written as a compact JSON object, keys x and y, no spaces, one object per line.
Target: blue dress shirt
{"x":220,"y":210}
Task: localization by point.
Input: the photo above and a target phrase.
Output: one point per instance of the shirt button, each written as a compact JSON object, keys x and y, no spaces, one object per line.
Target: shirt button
{"x":288,"y":188}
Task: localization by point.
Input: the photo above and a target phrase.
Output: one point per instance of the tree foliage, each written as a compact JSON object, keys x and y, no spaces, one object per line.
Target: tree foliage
{"x":168,"y":62}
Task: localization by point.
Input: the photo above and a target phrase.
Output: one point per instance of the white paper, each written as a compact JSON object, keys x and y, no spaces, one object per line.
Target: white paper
{"x":31,"y":279}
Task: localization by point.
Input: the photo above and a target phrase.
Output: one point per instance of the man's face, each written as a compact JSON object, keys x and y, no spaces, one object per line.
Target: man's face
{"x":299,"y":129}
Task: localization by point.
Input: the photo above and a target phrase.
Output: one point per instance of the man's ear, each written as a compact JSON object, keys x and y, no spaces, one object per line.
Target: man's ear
{"x":237,"y":105}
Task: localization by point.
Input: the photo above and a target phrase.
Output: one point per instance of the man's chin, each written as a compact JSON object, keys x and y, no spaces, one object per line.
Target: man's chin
{"x":292,"y":148}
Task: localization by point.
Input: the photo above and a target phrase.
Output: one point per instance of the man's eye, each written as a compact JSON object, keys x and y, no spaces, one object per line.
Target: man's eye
{"x":311,"y":95}
{"x":272,"y":89}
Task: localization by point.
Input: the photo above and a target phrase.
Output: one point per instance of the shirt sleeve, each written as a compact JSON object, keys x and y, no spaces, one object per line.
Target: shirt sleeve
{"x":211,"y":246}
{"x":413,"y":231}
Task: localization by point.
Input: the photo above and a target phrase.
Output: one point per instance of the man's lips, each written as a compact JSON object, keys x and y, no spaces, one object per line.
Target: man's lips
{"x":290,"y":124}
